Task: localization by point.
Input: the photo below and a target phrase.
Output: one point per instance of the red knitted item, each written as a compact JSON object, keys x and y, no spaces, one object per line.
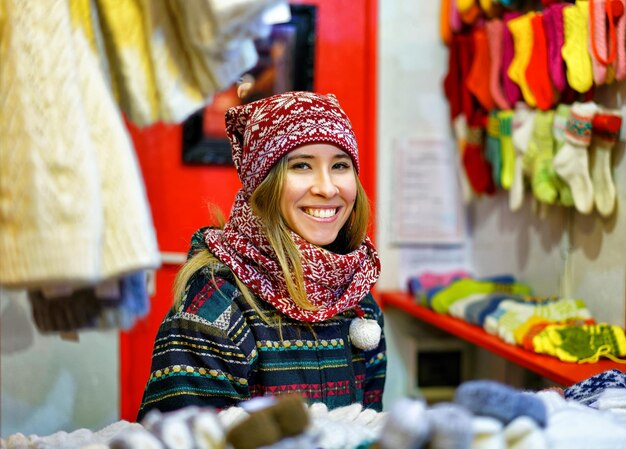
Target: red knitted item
{"x":334,"y":282}
{"x":537,"y":74}
{"x":477,"y":81}
{"x":264,"y":131}
{"x":606,"y":126}
{"x":476,"y":165}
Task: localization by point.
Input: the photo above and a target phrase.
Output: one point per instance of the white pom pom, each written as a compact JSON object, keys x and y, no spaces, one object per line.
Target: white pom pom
{"x":364,"y":333}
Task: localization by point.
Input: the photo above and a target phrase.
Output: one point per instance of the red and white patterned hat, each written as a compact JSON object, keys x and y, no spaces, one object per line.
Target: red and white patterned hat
{"x":264,"y":131}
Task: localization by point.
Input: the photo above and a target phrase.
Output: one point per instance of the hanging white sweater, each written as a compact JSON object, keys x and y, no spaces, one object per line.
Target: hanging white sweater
{"x":73,"y":209}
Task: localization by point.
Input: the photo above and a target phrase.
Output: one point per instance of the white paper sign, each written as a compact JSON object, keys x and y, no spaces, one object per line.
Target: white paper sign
{"x":426,"y":205}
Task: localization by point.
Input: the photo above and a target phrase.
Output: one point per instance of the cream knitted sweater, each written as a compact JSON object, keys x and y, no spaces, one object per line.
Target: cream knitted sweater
{"x":73,"y":209}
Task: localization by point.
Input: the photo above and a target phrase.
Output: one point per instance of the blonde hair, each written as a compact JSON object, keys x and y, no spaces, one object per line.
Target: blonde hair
{"x":265,"y":202}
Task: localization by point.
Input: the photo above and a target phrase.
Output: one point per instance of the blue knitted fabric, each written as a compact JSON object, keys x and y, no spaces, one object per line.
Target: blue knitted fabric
{"x":475,"y":313}
{"x":588,"y":390}
{"x":499,"y":401}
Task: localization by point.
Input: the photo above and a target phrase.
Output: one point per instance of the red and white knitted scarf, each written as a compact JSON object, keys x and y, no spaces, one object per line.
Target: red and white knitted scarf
{"x":334,"y":282}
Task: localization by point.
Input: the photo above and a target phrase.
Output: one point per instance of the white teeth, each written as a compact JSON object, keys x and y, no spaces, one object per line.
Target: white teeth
{"x":321,"y":213}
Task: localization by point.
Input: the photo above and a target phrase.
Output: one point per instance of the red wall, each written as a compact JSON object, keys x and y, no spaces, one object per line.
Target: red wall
{"x":345,"y":64}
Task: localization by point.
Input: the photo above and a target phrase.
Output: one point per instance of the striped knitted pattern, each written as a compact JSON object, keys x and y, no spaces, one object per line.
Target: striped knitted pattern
{"x":214,"y":350}
{"x":578,"y":129}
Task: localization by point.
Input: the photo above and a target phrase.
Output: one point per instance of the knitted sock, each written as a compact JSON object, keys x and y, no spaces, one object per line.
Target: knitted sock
{"x":462,"y":288}
{"x":543,"y":177}
{"x":451,"y":426}
{"x":476,"y":165}
{"x":493,"y":151}
{"x":606,"y":126}
{"x":587,"y":391}
{"x":455,"y":18}
{"x":579,"y":427}
{"x":553,"y":26}
{"x":458,"y":308}
{"x":620,"y":60}
{"x":582,"y":344}
{"x":290,"y":414}
{"x":468,"y":10}
{"x":459,"y":124}
{"x":494,"y":30}
{"x":445,"y":30}
{"x":257,"y":430}
{"x":507,"y":151}
{"x":572,"y":161}
{"x":499,"y":401}
{"x":429,"y":279}
{"x":524,"y":334}
{"x":558,"y":131}
{"x":536,"y":72}
{"x":477,"y":82}
{"x":521,"y":30}
{"x":477,"y":312}
{"x":406,"y":425}
{"x":524,"y":433}
{"x":487,"y":433}
{"x":507,"y":318}
{"x":453,"y":80}
{"x":563,"y":310}
{"x":601,"y":55}
{"x":512,"y":92}
{"x":575,"y":51}
{"x":523,"y":119}
{"x":133,"y":439}
{"x":491,"y":8}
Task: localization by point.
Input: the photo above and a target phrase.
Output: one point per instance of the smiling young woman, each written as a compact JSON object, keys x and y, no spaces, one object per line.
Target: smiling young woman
{"x":268,"y":304}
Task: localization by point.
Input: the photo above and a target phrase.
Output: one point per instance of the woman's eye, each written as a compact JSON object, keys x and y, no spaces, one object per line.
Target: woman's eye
{"x":341,"y":166}
{"x":299,"y":166}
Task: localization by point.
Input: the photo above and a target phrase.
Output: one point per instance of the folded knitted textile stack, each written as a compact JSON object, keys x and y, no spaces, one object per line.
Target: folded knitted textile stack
{"x":483,"y":414}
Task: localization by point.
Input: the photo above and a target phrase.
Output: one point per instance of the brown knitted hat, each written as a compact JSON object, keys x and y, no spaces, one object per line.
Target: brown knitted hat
{"x":264,"y":131}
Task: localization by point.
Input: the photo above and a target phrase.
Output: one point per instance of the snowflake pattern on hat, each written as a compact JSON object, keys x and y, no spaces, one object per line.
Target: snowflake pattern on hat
{"x":264,"y":131}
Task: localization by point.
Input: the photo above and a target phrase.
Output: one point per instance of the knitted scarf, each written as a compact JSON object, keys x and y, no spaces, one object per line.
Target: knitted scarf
{"x":334,"y":282}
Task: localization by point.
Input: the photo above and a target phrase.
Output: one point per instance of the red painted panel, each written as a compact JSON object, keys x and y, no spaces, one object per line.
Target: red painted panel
{"x":345,"y":64}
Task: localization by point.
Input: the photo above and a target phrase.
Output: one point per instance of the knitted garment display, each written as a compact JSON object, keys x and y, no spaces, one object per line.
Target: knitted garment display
{"x":334,"y":282}
{"x":264,"y":131}
{"x":584,"y":343}
{"x":76,"y":208}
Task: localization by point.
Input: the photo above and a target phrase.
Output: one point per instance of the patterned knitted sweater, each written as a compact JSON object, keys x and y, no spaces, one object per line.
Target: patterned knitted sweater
{"x":214,"y":350}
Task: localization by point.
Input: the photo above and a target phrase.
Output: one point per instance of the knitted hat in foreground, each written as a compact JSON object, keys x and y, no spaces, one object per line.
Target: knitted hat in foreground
{"x":264,"y":131}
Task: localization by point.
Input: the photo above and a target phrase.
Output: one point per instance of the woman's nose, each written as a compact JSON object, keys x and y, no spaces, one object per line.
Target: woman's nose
{"x":323,"y":185}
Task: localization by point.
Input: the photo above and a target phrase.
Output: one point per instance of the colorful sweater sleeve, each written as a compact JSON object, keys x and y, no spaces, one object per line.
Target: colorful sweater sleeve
{"x":375,"y":360}
{"x":204,"y":352}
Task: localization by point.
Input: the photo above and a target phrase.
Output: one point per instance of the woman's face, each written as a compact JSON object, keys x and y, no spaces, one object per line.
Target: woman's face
{"x":319,"y":192}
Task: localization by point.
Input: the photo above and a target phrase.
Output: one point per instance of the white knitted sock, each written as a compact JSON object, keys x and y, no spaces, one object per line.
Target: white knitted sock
{"x":572,"y":161}
{"x":406,"y":425}
{"x":606,"y":125}
{"x":522,"y":128}
{"x":487,"y":433}
{"x":524,"y":433}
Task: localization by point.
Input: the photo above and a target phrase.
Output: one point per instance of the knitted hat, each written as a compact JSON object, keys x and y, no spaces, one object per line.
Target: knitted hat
{"x":264,"y":131}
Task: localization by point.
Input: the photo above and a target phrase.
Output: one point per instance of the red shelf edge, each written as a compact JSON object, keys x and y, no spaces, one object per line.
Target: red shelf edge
{"x":552,"y":368}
